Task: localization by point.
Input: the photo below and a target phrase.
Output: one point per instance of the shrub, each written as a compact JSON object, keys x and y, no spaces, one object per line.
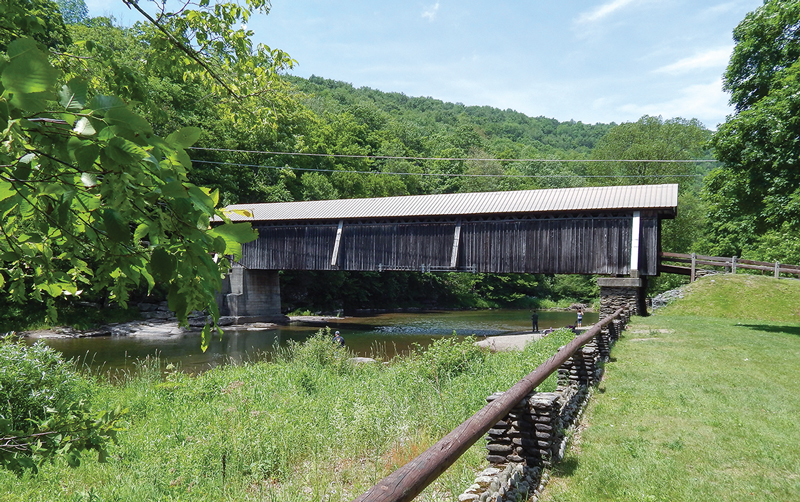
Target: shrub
{"x":320,"y":351}
{"x":44,"y":410}
{"x":449,"y":357}
{"x":34,"y":380}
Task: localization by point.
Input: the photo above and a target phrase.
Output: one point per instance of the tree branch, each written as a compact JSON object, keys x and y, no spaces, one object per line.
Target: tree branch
{"x":189,"y":52}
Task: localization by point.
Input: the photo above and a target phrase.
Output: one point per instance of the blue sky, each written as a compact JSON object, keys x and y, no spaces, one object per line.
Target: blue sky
{"x":592,"y":61}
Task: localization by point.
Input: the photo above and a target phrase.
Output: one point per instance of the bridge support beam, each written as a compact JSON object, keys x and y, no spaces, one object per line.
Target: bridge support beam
{"x":251,"y":295}
{"x":628,"y":293}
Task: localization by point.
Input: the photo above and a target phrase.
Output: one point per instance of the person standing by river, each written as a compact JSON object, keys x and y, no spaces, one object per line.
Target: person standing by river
{"x":337,"y":338}
{"x":580,"y":318}
{"x":535,"y":321}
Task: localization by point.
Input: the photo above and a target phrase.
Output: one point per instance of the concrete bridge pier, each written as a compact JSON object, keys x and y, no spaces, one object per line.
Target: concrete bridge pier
{"x":251,"y":295}
{"x":629,"y":293}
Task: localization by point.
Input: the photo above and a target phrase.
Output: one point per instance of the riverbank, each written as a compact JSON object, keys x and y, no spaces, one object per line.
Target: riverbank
{"x":308,"y":426}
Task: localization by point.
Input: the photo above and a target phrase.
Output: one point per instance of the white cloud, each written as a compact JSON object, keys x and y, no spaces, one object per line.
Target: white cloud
{"x":707,"y":102}
{"x":604,"y":10}
{"x":719,"y":9}
{"x":715,"y":58}
{"x":430,"y":12}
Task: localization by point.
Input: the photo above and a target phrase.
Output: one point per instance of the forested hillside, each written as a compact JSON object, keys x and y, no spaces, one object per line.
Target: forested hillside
{"x":253,"y":134}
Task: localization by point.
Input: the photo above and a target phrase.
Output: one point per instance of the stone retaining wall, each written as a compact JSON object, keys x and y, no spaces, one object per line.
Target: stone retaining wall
{"x":533,"y":436}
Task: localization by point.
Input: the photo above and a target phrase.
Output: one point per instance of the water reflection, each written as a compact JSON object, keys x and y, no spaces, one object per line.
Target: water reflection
{"x":383,"y":336}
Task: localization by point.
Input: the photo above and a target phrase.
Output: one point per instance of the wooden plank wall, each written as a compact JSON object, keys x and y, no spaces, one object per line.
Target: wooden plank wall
{"x":558,"y":246}
{"x":577,"y":245}
{"x":396,"y":245}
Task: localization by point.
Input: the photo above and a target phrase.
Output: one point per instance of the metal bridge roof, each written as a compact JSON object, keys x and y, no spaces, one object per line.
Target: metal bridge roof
{"x":662,"y":198}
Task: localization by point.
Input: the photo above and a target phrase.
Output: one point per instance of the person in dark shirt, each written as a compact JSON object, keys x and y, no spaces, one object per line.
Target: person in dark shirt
{"x":535,"y":321}
{"x":337,"y":338}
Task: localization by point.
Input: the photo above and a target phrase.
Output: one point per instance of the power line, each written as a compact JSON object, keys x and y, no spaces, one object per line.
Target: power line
{"x":394,"y":157}
{"x":451,"y":175}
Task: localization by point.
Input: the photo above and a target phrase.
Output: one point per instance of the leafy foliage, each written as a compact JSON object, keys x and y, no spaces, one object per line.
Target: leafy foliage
{"x":89,"y":194}
{"x":651,"y":138}
{"x":44,"y":412}
{"x":451,"y":356}
{"x":73,"y":11}
{"x":754,"y":198}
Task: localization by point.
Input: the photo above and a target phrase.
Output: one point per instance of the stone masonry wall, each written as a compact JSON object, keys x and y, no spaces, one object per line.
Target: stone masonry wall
{"x":533,"y":436}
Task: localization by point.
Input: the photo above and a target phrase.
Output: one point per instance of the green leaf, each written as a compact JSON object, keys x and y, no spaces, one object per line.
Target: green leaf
{"x":173,"y":189}
{"x":185,"y":137}
{"x":28,"y":73}
{"x":178,"y":303}
{"x":239,"y":232}
{"x":140,"y":232}
{"x":205,"y":341}
{"x":103,"y":104}
{"x":72,"y":95}
{"x":124,"y":151}
{"x":162,"y":264}
{"x":6,"y":190}
{"x":116,"y":226}
{"x":123,"y":117}
{"x":52,"y":289}
{"x":33,"y":102}
{"x":234,"y":234}
{"x":86,"y":155}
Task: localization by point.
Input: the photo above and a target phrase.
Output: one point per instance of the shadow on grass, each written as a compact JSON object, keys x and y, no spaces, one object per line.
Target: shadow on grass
{"x":789,"y":330}
{"x":566,"y":467}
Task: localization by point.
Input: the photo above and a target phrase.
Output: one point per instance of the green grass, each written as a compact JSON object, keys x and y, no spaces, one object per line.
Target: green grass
{"x":700,"y":402}
{"x":740,"y":296}
{"x":310,"y":426}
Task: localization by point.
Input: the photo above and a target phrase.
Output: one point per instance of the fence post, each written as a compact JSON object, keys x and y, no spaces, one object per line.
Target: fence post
{"x":733,"y":265}
{"x":694,"y":267}
{"x":777,"y":270}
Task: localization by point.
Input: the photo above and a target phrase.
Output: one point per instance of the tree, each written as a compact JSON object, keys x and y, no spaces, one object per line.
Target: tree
{"x":90,"y":196}
{"x":73,"y":11}
{"x":650,"y":138}
{"x":754,"y":198}
{"x":653,"y":138}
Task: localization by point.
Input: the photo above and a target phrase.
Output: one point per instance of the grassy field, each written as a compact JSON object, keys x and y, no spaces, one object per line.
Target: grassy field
{"x":700,"y":402}
{"x":310,"y":426}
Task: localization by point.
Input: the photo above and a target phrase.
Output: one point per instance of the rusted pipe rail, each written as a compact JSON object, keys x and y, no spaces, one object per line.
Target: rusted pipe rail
{"x":409,"y":480}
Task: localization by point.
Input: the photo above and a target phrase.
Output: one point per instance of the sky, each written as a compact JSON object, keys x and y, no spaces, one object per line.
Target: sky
{"x":590,"y":61}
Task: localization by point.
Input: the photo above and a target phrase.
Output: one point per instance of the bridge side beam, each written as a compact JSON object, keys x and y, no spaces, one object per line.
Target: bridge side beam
{"x":337,"y":242}
{"x":637,"y":216}
{"x":456,"y":238}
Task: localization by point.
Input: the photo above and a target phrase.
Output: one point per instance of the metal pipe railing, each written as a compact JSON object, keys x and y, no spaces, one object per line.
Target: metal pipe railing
{"x":409,"y":480}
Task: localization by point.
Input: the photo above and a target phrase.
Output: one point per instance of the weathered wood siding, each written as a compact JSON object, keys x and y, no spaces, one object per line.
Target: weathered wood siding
{"x":579,"y":244}
{"x":549,"y":246}
{"x":396,"y":246}
{"x":649,"y":245}
{"x":301,"y":247}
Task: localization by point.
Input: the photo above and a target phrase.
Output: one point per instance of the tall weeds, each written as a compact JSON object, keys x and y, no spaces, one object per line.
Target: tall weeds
{"x":311,"y":425}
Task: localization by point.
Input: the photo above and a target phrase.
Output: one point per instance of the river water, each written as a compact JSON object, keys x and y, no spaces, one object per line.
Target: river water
{"x":383,"y":335}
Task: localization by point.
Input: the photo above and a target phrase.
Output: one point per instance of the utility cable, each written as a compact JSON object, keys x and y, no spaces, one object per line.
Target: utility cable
{"x":452,"y":175}
{"x":394,"y":157}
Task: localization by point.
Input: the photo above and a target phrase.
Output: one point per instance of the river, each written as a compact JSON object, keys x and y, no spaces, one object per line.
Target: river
{"x":383,"y":335}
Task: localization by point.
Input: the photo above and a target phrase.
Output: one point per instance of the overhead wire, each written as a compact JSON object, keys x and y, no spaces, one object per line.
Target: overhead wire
{"x":398,"y":157}
{"x":448,"y":175}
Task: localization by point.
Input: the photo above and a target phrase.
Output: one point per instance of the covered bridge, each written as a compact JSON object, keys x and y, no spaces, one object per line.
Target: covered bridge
{"x":611,"y":231}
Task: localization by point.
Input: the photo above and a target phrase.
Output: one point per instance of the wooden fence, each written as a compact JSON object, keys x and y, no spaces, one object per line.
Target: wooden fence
{"x":728,"y":264}
{"x":409,"y":480}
